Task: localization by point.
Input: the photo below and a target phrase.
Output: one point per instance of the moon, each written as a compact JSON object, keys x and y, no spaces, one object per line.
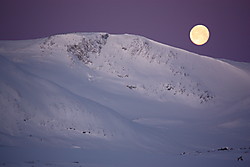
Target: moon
{"x":199,"y":34}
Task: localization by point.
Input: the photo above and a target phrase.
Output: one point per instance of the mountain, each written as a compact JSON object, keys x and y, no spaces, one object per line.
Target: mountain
{"x":96,"y":99}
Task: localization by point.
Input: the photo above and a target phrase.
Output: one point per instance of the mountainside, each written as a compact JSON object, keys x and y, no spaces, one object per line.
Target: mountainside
{"x":122,"y":92}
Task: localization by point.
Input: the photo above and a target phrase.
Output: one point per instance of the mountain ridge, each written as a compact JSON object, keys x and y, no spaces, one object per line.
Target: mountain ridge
{"x":87,"y":48}
{"x":120,"y":92}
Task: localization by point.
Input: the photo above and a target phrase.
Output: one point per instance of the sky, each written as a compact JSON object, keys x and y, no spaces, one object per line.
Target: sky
{"x":165,"y":21}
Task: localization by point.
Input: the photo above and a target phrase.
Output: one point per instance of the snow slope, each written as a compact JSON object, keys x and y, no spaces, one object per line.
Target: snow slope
{"x":123,"y":96}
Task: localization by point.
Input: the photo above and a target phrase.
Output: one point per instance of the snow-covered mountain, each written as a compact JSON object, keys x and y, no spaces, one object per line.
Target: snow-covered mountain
{"x":122,"y":96}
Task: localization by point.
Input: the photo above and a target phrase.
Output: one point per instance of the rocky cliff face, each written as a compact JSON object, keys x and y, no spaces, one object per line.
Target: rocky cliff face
{"x":152,"y":69}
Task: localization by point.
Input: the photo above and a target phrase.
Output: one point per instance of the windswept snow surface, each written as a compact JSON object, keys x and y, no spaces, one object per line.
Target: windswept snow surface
{"x":96,"y":99}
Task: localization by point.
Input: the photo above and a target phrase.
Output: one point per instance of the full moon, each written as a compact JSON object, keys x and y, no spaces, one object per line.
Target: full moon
{"x":199,"y":34}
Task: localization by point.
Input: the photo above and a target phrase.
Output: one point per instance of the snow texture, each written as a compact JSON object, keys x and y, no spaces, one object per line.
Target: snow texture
{"x":97,"y":99}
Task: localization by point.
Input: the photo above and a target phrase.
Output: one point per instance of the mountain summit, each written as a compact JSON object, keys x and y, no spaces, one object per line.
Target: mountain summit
{"x":100,"y":91}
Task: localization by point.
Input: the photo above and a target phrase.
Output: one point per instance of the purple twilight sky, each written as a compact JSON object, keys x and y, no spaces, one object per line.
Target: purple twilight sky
{"x":165,"y":21}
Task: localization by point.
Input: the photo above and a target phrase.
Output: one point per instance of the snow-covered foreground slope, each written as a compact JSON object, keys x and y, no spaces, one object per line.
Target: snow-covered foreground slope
{"x":95,"y":99}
